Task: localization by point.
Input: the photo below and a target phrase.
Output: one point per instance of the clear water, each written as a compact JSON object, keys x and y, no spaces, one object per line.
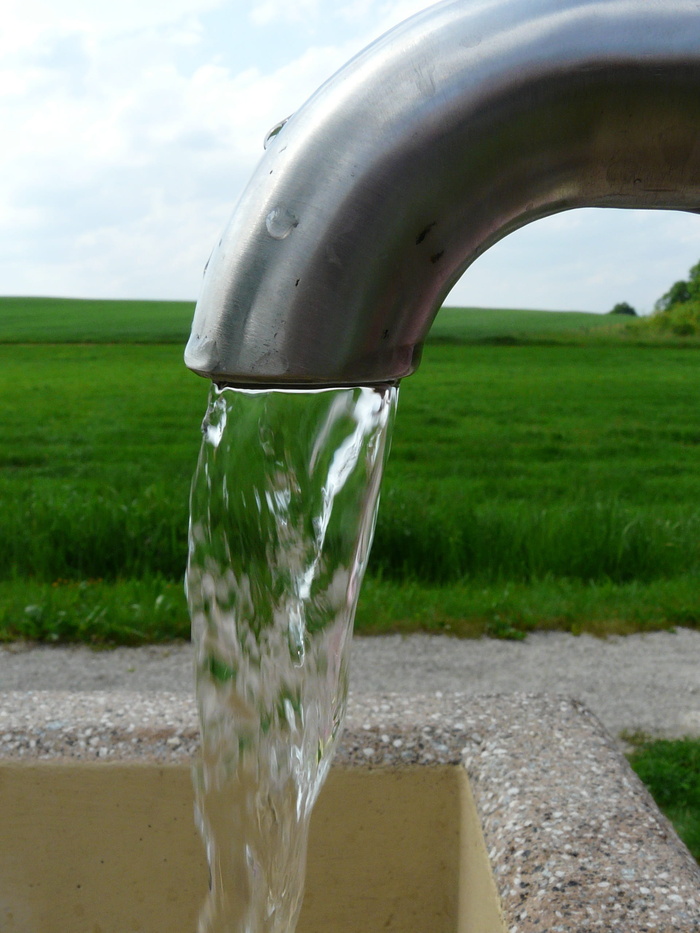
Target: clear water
{"x":282,"y":515}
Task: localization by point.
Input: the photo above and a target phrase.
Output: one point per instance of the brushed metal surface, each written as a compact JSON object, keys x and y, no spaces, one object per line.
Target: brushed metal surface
{"x":459,"y":126}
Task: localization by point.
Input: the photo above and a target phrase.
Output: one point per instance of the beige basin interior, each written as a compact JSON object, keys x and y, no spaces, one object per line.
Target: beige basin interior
{"x":88,"y":847}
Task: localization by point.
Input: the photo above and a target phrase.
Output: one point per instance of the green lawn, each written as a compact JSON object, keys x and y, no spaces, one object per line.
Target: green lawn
{"x":545,"y":486}
{"x":507,"y":325}
{"x":71,"y":320}
{"x":532,"y":484}
{"x":671,"y":771}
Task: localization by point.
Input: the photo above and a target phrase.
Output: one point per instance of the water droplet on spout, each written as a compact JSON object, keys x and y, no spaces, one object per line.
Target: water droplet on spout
{"x":280,"y":222}
{"x":277,"y":128}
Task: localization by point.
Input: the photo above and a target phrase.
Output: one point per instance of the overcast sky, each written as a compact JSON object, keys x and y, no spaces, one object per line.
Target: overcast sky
{"x":130,"y":128}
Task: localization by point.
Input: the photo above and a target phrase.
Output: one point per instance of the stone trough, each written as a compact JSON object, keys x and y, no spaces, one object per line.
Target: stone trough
{"x":441,"y":814}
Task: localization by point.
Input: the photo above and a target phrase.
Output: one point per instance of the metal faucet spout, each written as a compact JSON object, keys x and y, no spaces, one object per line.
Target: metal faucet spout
{"x":461,"y":125}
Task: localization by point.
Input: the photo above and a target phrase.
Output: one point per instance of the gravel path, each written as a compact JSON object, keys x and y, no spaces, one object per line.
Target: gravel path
{"x":642,"y":682}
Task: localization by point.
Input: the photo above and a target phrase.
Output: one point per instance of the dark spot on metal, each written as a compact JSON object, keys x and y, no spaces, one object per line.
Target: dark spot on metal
{"x":423,"y":234}
{"x":437,"y":256}
{"x":385,"y":334}
{"x":297,"y":282}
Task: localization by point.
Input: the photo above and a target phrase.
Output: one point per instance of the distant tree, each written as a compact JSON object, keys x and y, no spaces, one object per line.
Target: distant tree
{"x":677,"y":294}
{"x":622,"y":307}
{"x":681,"y":292}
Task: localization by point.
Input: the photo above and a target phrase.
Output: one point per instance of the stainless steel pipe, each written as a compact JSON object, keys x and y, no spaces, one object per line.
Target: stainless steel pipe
{"x":464,"y":123}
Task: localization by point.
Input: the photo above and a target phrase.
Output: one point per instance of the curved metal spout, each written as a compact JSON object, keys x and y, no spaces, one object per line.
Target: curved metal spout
{"x":462,"y":124}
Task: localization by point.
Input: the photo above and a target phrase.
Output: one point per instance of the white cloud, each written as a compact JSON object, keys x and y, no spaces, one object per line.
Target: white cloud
{"x":371,"y":18}
{"x":356,"y":11}
{"x":265,"y":12}
{"x":119,"y":158}
{"x":130,"y":131}
{"x":26,"y":20}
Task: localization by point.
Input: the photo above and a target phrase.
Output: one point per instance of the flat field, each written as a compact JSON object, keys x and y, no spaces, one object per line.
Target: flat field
{"x":544,"y":474}
{"x":73,"y":320}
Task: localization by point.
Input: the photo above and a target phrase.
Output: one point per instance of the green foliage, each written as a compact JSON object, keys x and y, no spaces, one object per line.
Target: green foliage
{"x":681,"y":292}
{"x":678,"y":293}
{"x":587,"y":540}
{"x":622,"y":307}
{"x":99,"y":445}
{"x":472,"y":608}
{"x":139,"y":611}
{"x":681,"y":320}
{"x":678,"y":320}
{"x":149,"y":610}
{"x":671,"y":771}
{"x":62,"y":533}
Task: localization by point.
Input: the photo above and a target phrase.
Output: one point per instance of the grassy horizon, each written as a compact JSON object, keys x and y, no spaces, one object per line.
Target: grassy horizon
{"x":86,"y":320}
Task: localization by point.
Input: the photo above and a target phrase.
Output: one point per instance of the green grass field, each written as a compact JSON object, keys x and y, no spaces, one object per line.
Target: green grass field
{"x":72,"y":320}
{"x":671,"y":771}
{"x":534,"y":482}
{"x":512,"y":326}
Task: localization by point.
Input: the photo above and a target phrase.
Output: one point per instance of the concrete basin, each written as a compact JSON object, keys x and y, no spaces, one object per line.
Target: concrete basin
{"x":442,"y":813}
{"x":112,"y":848}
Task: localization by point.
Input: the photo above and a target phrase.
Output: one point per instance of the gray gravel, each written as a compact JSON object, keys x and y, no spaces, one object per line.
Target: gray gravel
{"x":648,"y":682}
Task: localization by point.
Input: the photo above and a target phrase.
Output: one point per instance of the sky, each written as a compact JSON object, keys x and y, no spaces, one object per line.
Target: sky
{"x":129,"y":130}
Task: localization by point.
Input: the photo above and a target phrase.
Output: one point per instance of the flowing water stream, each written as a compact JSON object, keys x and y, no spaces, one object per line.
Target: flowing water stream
{"x":282,"y":515}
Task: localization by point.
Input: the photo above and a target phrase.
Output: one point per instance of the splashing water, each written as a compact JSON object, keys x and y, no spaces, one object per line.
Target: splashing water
{"x":282,"y":515}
